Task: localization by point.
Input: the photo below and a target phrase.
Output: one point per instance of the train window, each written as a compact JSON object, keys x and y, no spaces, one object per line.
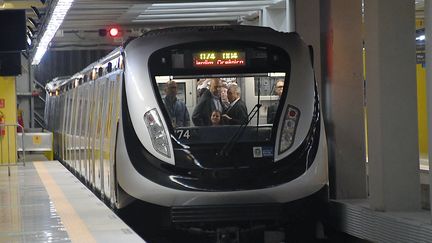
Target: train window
{"x":109,"y":67}
{"x":93,"y":74}
{"x":244,"y":101}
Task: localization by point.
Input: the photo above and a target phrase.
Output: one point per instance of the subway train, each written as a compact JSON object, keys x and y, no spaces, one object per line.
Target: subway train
{"x":113,"y":130}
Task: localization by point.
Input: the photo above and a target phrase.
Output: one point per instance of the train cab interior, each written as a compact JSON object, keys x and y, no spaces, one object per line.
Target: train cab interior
{"x":253,"y":89}
{"x":257,"y":88}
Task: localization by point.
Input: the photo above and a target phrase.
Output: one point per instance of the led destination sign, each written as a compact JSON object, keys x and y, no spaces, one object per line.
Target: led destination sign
{"x":219,"y":59}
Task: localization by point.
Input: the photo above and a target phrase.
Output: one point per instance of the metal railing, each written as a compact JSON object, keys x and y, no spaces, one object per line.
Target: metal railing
{"x":38,"y":84}
{"x":6,"y":135}
{"x":39,"y":119}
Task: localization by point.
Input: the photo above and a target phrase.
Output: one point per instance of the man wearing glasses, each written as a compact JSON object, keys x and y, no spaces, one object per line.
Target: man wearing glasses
{"x":271,"y":112}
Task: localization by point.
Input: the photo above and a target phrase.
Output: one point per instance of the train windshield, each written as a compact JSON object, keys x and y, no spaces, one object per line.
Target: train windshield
{"x":219,"y":107}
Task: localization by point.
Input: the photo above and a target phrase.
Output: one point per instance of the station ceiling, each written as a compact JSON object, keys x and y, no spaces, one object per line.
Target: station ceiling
{"x":80,"y":29}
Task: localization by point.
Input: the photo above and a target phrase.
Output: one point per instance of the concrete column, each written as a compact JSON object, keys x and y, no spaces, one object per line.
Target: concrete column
{"x":392,"y":105}
{"x":428,"y":33}
{"x":342,"y":95}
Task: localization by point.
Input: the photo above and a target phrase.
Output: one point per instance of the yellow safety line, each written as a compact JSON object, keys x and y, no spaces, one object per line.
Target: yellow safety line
{"x":77,"y":230}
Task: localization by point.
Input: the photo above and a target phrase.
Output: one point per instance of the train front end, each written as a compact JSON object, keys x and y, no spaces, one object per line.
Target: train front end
{"x":256,"y":168}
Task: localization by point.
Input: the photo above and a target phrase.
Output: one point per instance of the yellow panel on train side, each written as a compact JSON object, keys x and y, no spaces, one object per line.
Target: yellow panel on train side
{"x":421,"y":103}
{"x":9,"y":113}
{"x":422,"y":110}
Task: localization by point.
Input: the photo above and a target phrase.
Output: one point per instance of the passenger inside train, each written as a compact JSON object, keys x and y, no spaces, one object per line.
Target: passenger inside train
{"x":216,"y":118}
{"x":209,"y":100}
{"x":271,"y":111}
{"x":176,"y":108}
{"x":236,"y":113}
{"x":250,"y":97}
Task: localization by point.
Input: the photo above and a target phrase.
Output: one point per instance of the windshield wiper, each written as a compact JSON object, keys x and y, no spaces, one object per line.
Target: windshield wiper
{"x":226,"y":149}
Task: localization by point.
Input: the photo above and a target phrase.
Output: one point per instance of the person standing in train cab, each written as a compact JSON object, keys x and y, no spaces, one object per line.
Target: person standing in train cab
{"x":224,"y":96}
{"x":177,"y":110}
{"x":271,"y":111}
{"x":236,"y":114}
{"x":209,"y":101}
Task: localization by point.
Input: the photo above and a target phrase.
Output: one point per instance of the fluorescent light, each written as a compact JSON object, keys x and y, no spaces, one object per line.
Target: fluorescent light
{"x":191,"y":15}
{"x":420,"y":38}
{"x":54,"y":23}
{"x":150,"y":11}
{"x":29,"y":41}
{"x":276,"y":74}
{"x":212,"y":4}
{"x":228,"y":18}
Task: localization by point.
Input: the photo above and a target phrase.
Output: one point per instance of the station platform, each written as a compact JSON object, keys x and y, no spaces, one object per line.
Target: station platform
{"x":44,"y":202}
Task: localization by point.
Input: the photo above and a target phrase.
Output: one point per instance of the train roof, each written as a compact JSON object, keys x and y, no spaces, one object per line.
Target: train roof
{"x":61,"y":81}
{"x":58,"y":82}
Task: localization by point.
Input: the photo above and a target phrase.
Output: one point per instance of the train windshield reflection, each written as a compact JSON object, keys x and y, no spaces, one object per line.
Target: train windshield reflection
{"x":212,"y":108}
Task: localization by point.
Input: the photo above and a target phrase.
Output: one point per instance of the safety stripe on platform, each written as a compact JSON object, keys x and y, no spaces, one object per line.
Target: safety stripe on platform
{"x":76,"y":228}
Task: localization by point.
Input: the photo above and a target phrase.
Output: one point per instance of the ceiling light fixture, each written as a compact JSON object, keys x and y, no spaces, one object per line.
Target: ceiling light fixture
{"x":421,"y":38}
{"x":56,"y":19}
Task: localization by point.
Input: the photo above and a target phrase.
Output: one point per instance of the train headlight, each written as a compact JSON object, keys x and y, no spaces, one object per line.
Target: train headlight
{"x":157,"y":132}
{"x":289,"y":126}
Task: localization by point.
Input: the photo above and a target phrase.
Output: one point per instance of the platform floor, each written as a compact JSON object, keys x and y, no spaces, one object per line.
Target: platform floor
{"x":44,"y":202}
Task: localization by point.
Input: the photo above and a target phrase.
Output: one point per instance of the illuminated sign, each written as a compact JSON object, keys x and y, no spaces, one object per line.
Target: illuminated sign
{"x":219,"y":59}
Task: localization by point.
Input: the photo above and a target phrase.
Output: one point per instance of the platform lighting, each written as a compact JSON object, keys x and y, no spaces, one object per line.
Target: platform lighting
{"x":54,"y":23}
{"x":29,"y":40}
{"x":420,"y":38}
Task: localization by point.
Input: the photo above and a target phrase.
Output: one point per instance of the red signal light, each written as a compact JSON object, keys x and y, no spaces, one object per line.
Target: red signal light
{"x":114,"y":32}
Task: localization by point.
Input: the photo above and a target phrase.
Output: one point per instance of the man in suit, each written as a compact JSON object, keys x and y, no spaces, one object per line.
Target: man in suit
{"x":236,"y":114}
{"x":209,"y":101}
{"x":271,"y":111}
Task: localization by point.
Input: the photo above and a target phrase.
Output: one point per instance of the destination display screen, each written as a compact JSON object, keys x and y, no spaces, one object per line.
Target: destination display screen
{"x":230,"y":58}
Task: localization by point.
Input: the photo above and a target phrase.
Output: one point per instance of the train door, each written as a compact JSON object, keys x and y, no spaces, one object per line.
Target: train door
{"x":75,"y":119}
{"x":78,"y":133}
{"x":67,"y":128}
{"x":63,"y":110}
{"x":87,"y":128}
{"x":104,"y":136}
{"x":115,"y":88}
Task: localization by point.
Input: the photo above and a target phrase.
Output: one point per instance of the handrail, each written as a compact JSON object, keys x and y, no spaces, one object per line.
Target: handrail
{"x":39,"y":115}
{"x":36,"y":116}
{"x":42,"y":124}
{"x":39,"y":84}
{"x":15,"y":126}
{"x":42,"y":99}
{"x":39,"y":119}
